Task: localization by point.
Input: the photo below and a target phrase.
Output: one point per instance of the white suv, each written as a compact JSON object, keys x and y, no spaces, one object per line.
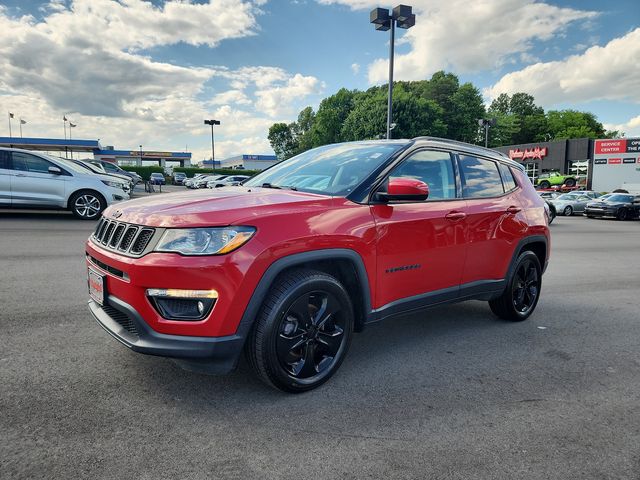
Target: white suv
{"x":36,"y":180}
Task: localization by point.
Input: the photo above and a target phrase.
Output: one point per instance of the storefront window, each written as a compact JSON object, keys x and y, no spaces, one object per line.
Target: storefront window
{"x":531,"y":169}
{"x":579,"y":168}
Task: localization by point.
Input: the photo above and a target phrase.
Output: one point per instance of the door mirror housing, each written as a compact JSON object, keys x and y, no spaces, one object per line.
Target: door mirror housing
{"x":405,"y":190}
{"x":55,"y":170}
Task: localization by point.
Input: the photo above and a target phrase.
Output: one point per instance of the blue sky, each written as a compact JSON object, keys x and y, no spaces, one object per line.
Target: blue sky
{"x":130,"y":72}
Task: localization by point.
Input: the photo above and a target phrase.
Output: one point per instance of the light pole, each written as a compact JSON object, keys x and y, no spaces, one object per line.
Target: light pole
{"x":213,"y":152}
{"x":385,"y":20}
{"x":487,"y":123}
{"x":140,"y":155}
{"x":71,"y":125}
{"x":22,"y":122}
{"x":10,"y":117}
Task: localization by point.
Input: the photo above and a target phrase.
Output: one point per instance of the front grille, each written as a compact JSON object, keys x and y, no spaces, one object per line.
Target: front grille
{"x":121,"y":318}
{"x":122,"y":237}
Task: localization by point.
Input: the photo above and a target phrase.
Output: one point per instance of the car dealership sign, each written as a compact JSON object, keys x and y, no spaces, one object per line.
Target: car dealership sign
{"x":622,"y":145}
{"x":528,"y":153}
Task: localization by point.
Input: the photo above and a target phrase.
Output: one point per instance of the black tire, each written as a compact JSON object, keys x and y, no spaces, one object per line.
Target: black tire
{"x":552,"y":215}
{"x":570,"y":182}
{"x":87,"y":204}
{"x":519,"y":299}
{"x":295,"y":345}
{"x":544,"y":184}
{"x":567,"y":211}
{"x":622,"y":214}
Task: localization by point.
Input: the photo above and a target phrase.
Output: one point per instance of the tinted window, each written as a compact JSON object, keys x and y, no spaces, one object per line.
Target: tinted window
{"x":30,"y":163}
{"x":480,"y":178}
{"x":507,"y":178}
{"x":620,"y":198}
{"x":109,"y":167}
{"x":433,"y":168}
{"x":4,"y":159}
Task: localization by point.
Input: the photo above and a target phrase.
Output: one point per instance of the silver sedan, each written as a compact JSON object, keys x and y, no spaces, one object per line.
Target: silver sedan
{"x":569,"y":203}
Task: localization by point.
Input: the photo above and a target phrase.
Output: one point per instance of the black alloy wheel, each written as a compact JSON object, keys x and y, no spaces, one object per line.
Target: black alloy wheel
{"x":311,"y":334}
{"x":525,"y":288}
{"x":622,"y":214}
{"x":520,"y":297}
{"x":303,"y":331}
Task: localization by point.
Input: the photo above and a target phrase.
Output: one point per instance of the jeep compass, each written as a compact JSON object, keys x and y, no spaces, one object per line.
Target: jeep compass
{"x":290,"y":264}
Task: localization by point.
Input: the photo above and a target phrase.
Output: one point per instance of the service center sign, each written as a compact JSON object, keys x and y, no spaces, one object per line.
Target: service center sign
{"x":623,"y":145}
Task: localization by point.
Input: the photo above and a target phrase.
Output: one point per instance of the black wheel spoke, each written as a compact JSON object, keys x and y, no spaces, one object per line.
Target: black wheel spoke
{"x":331,"y":341}
{"x":306,"y":366}
{"x":301,"y":310}
{"x":329,"y":308}
{"x":288,"y":346}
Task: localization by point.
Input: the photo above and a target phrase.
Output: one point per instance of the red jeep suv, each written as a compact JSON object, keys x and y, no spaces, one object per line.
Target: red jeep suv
{"x":288,"y":265}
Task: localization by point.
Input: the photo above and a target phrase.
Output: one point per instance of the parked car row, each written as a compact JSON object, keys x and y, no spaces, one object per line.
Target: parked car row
{"x":37,"y":180}
{"x":593,"y":204}
{"x":214,"y":181}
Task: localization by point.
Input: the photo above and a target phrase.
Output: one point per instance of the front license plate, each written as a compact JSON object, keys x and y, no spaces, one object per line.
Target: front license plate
{"x":96,"y":287}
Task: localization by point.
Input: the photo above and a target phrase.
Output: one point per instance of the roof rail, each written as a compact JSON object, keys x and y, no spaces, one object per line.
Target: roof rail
{"x":462,"y":144}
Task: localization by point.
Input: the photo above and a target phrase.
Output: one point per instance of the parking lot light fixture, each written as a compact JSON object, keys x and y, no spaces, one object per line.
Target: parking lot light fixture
{"x":213,"y":152}
{"x":383,"y":20}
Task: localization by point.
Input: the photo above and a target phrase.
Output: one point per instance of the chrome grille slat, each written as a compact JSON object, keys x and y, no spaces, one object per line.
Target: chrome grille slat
{"x":122,"y":237}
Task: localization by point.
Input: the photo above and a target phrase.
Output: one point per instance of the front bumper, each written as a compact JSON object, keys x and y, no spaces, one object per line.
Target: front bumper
{"x":214,"y":355}
{"x":600,"y":212}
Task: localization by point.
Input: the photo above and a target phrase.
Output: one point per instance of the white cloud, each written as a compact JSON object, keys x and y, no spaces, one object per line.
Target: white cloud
{"x":277,"y":100}
{"x":82,"y":59}
{"x":355,"y":68}
{"x":237,"y":97}
{"x":611,"y":72}
{"x":466,"y":36}
{"x":630,"y":128}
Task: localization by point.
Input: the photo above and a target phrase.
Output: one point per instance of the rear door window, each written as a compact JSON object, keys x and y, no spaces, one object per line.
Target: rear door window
{"x":480,"y":178}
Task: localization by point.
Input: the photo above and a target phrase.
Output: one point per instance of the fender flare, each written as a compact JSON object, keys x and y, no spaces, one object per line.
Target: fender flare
{"x":516,"y":253}
{"x":277,"y":267}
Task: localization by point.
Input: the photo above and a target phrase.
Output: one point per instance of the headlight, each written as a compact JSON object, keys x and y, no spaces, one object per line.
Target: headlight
{"x":112,"y":184}
{"x":204,"y":241}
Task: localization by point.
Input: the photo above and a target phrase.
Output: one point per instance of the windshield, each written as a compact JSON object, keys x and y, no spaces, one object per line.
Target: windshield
{"x":620,"y":198}
{"x":329,"y":170}
{"x":569,"y":196}
{"x":73,"y":166}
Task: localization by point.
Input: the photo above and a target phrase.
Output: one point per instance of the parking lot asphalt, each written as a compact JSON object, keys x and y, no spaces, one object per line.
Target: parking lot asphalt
{"x":449,"y":393}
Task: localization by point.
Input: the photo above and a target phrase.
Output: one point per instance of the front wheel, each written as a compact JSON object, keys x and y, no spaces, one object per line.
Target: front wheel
{"x":302,"y":332}
{"x":570,"y":182}
{"x":622,"y":214}
{"x":519,"y":299}
{"x":87,"y":205}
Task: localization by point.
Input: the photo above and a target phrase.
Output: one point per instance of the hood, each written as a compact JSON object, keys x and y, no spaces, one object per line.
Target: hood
{"x":219,"y":207}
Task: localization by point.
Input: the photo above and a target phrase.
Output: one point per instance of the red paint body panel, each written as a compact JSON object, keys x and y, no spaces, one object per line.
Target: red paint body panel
{"x":443,"y":244}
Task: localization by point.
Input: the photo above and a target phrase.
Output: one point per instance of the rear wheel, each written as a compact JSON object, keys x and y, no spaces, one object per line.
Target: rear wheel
{"x":87,"y":205}
{"x":303,"y":331}
{"x":568,"y":211}
{"x":520,"y":298}
{"x":544,"y":184}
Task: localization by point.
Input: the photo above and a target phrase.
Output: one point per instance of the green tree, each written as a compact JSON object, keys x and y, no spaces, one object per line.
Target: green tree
{"x":573,"y":124}
{"x":330,"y":117}
{"x":282,"y":140}
{"x":467,"y":108}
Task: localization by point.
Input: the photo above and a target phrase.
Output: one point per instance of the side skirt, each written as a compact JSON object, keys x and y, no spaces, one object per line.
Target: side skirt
{"x":481,"y":290}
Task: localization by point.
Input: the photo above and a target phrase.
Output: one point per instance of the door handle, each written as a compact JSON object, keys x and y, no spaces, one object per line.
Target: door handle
{"x":513,"y":210}
{"x":455,"y":216}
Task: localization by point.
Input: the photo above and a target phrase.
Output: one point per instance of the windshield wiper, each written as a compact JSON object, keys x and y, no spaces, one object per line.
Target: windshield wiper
{"x":278,"y":187}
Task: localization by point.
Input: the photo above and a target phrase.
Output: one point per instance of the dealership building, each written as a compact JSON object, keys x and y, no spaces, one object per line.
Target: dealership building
{"x":81,"y":149}
{"x":245,"y":161}
{"x":602,"y":165}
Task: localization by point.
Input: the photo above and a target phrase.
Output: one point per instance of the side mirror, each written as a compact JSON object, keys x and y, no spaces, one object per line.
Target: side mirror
{"x":55,"y":170}
{"x":405,"y":190}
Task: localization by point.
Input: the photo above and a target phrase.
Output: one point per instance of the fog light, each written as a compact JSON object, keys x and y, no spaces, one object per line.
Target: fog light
{"x":174,"y":304}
